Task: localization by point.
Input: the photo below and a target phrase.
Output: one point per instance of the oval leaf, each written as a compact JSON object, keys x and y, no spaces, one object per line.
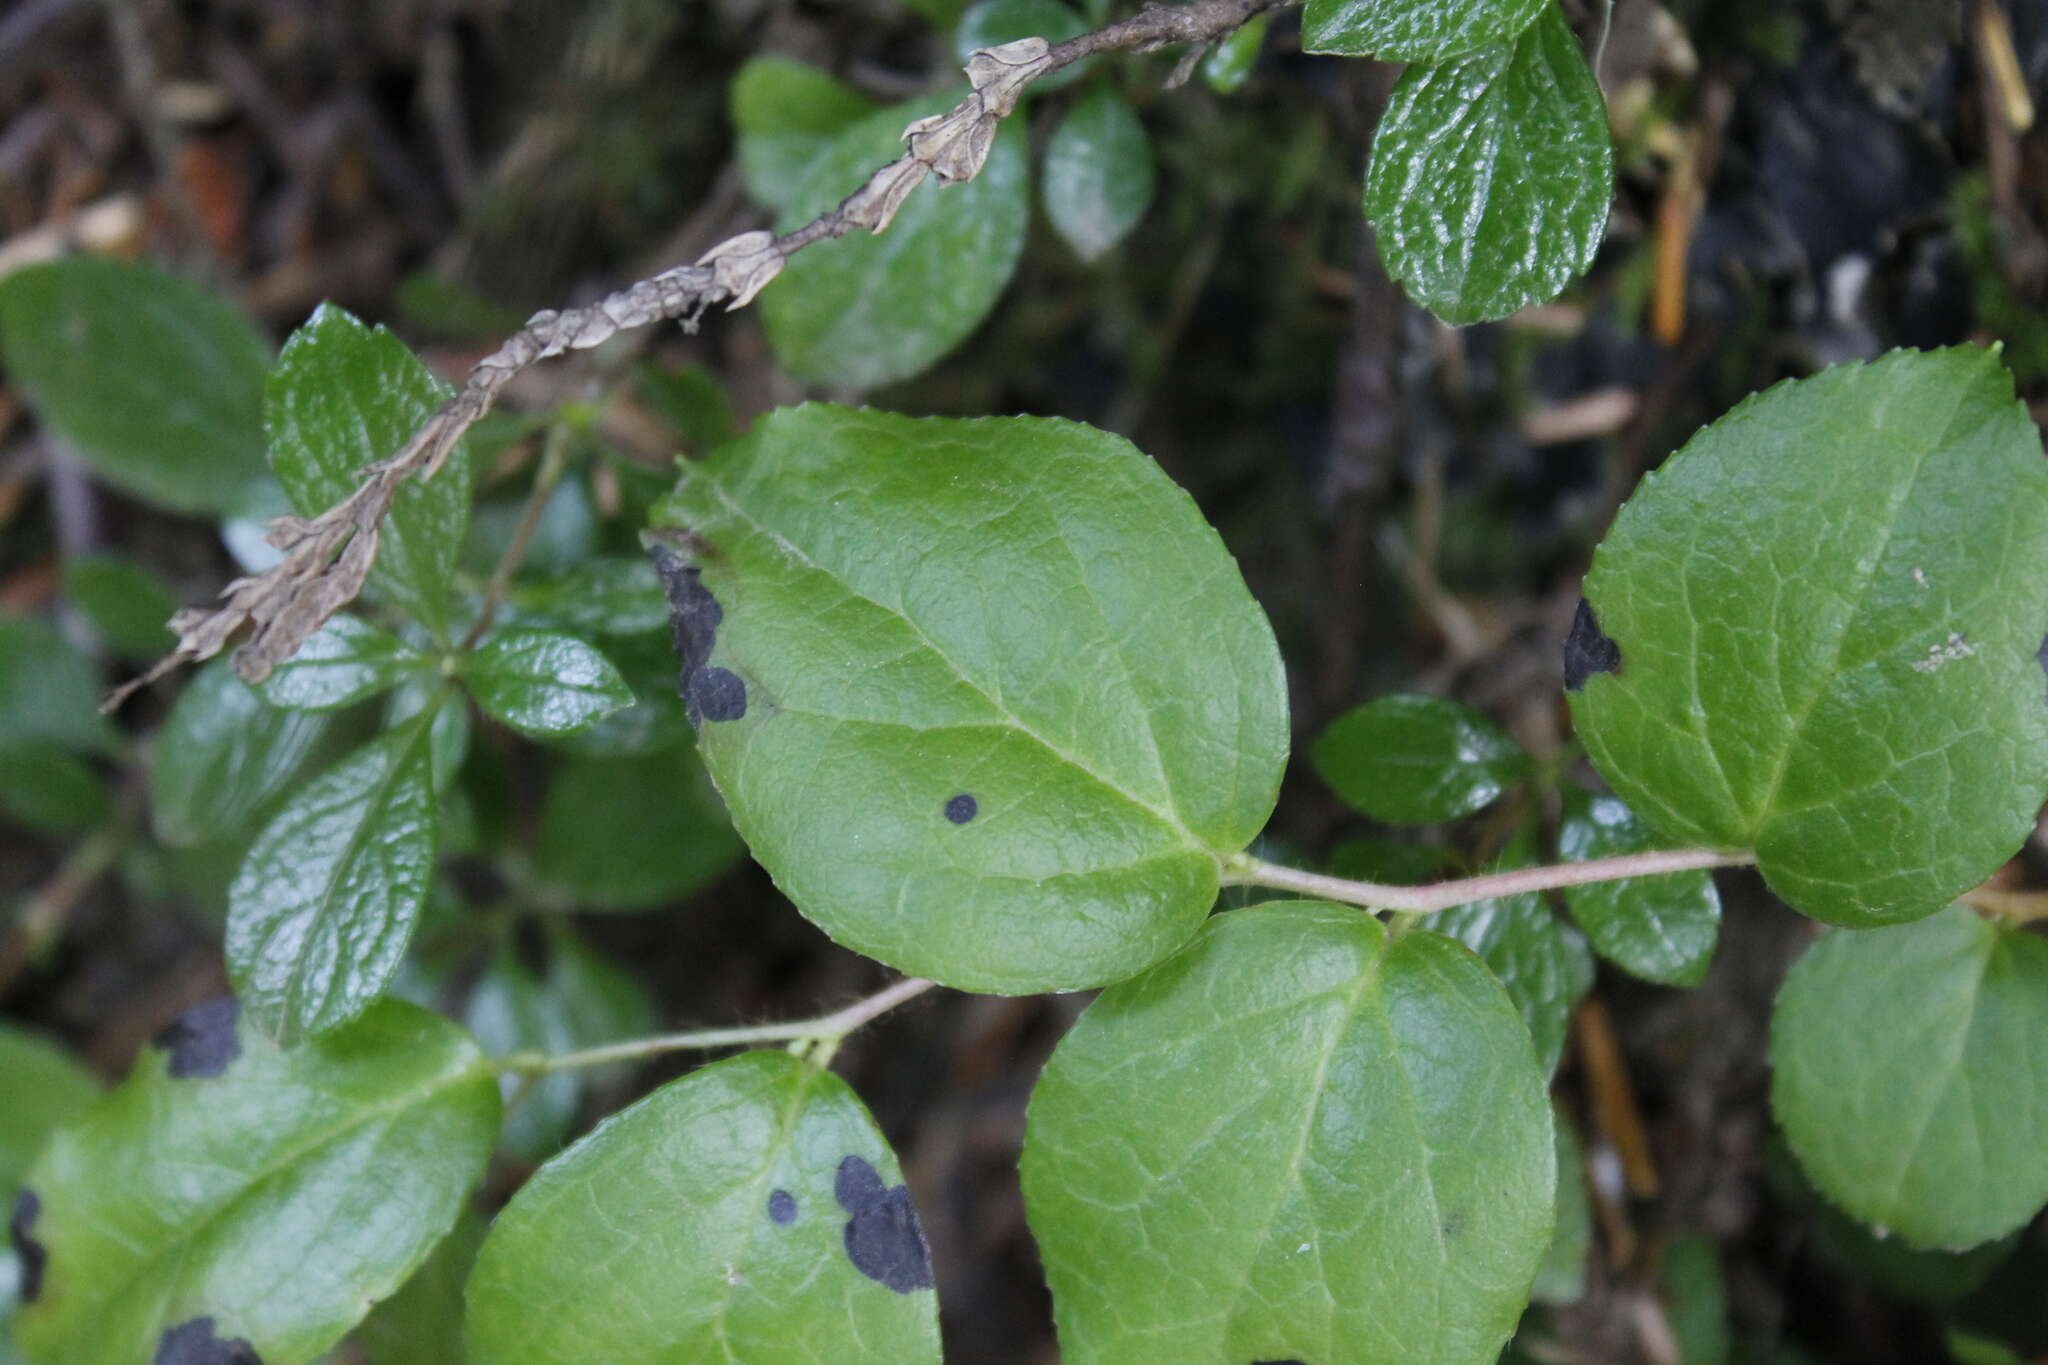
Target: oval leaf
{"x":1491,"y":175}
{"x":869,"y":310}
{"x":155,"y":382}
{"x":1660,"y":928}
{"x":343,"y":397}
{"x":49,"y":789}
{"x":749,"y":1211}
{"x":229,"y":1192}
{"x":125,"y":603}
{"x":1543,"y":962}
{"x":325,"y":903}
{"x":48,"y":690}
{"x":633,"y":832}
{"x":346,"y":661}
{"x":1414,"y":30}
{"x":786,"y":115}
{"x":223,"y":754}
{"x":1906,"y":1069}
{"x":1416,"y":760}
{"x":1229,"y":65}
{"x":45,"y":1090}
{"x":1022,"y":765}
{"x":1821,"y":623}
{"x":544,"y":683}
{"x":1098,"y":173}
{"x":1264,"y":1149}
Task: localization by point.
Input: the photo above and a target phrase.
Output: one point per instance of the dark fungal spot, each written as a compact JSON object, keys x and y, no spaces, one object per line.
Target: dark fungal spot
{"x":194,"y":1343}
{"x":883,"y":1239}
{"x":1586,"y":650}
{"x":2041,"y":654}
{"x":715,"y":694}
{"x":202,"y":1040}
{"x":962,"y":808}
{"x":693,"y":617}
{"x":33,"y":1255}
{"x":782,"y":1208}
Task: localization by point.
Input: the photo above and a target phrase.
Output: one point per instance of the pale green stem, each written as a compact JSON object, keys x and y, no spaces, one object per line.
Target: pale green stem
{"x":1245,"y":870}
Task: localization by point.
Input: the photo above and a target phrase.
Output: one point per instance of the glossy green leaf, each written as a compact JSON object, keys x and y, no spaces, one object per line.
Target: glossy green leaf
{"x":449,"y":740}
{"x":422,"y":1323}
{"x":1022,"y":764}
{"x":1415,"y":760}
{"x":343,"y":397}
{"x":1264,"y":1148}
{"x":544,"y":683}
{"x":325,"y":903}
{"x":1561,"y":1279}
{"x":868,"y":310}
{"x":49,"y":693}
{"x":634,"y":832}
{"x":346,"y":661}
{"x":1229,"y":65}
{"x":154,"y":381}
{"x":786,"y":114}
{"x":45,"y":1090}
{"x":1542,"y":961}
{"x":222,"y":755}
{"x":1414,"y":30}
{"x":124,"y":602}
{"x":991,"y":23}
{"x":1491,"y":175}
{"x":611,"y":596}
{"x":1906,"y":1066}
{"x":1660,"y":928}
{"x":48,"y":788}
{"x":228,"y":1191}
{"x":1827,"y":613}
{"x":750,"y":1211}
{"x":1098,"y":173}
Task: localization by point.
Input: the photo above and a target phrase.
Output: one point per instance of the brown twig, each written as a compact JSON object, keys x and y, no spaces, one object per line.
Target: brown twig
{"x":326,"y":558}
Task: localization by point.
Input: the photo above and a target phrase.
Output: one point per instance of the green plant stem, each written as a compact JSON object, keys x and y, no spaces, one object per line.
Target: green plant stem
{"x":1245,"y":870}
{"x":554,"y":462}
{"x":827,"y":1030}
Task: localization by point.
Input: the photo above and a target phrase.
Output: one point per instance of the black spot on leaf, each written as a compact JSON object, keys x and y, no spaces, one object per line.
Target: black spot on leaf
{"x":693,"y":617}
{"x":33,"y":1255}
{"x":782,"y":1207}
{"x":1587,"y":651}
{"x":194,"y":1343}
{"x":2041,"y":654}
{"x":962,"y":808}
{"x":716,"y":694}
{"x":202,"y":1040}
{"x":883,"y":1239}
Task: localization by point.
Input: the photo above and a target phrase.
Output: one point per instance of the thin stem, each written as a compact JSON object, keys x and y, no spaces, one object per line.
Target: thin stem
{"x":1245,"y":870}
{"x":2019,"y":907}
{"x":827,"y":1029}
{"x":554,"y":462}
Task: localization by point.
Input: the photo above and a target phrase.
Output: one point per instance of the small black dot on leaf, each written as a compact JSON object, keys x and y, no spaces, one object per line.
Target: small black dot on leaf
{"x":716,"y":694}
{"x":202,"y":1040}
{"x":2041,"y":654}
{"x":33,"y":1256}
{"x":194,"y":1343}
{"x":782,"y":1207}
{"x":962,"y":808}
{"x":1587,"y":650}
{"x":883,"y":1238}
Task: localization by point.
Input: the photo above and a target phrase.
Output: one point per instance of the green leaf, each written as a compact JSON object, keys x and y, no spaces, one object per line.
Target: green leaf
{"x":325,"y":903}
{"x":1561,"y":1279}
{"x":1265,"y":1148}
{"x":449,"y":740}
{"x":1415,"y":30}
{"x":991,"y":23}
{"x":1697,"y":1302}
{"x":612,"y":596}
{"x":1491,"y":175}
{"x":543,"y":683}
{"x":222,"y":755}
{"x":45,"y":1090}
{"x":1543,"y":962}
{"x":1391,"y":861}
{"x":343,"y":397}
{"x":634,"y":832}
{"x":50,"y":789}
{"x":157,"y":383}
{"x":125,"y":604}
{"x":1230,"y":64}
{"x":272,"y":1195}
{"x":1826,"y":613}
{"x":689,"y":397}
{"x":1905,"y":1071}
{"x":348,"y":660}
{"x":1660,"y":928}
{"x":749,"y":1211}
{"x":1098,"y":173}
{"x":869,"y":310}
{"x":49,"y":693}
{"x":786,"y":114}
{"x":422,"y":1323}
{"x":1415,"y":760}
{"x":1022,"y":766}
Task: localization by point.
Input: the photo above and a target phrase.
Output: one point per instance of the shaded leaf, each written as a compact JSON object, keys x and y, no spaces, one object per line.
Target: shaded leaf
{"x":1415,"y":760}
{"x":1229,"y":65}
{"x":49,"y":692}
{"x":1542,"y":961}
{"x":611,"y":596}
{"x":1660,"y":928}
{"x":45,"y":1090}
{"x":634,"y":832}
{"x":991,"y":23}
{"x":786,"y":114}
{"x":346,"y":661}
{"x":1414,"y":30}
{"x":222,"y":755}
{"x":1696,"y":1301}
{"x":689,"y":397}
{"x":1098,"y":173}
{"x":48,"y":788}
{"x":544,"y":683}
{"x":422,"y":1323}
{"x":124,"y":602}
{"x":1561,"y":1279}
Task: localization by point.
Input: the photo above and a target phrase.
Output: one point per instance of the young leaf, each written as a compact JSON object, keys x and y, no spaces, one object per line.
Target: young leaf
{"x":223,"y":753}
{"x":543,"y":683}
{"x":230,"y":1192}
{"x":635,"y":832}
{"x":45,"y":1090}
{"x":749,"y":1211}
{"x":1561,"y":1279}
{"x":1264,"y":1148}
{"x":48,"y":692}
{"x":125,"y":604}
{"x":1414,"y":30}
{"x":786,"y":115}
{"x":1491,"y":175}
{"x":1230,"y":64}
{"x":50,"y":789}
{"x":348,"y":660}
{"x":343,"y":397}
{"x":1543,"y":962}
{"x":1416,"y":760}
{"x":1098,"y":173}
{"x":868,"y":310}
{"x":1660,"y":928}
{"x":324,"y":905}
{"x":1022,"y":767}
{"x":1905,"y":1070}
{"x":991,"y":23}
{"x":1820,"y":625}
{"x":155,"y":382}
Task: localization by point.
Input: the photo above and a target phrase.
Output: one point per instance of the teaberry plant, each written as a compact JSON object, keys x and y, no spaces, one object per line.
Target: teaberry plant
{"x":993,"y":705}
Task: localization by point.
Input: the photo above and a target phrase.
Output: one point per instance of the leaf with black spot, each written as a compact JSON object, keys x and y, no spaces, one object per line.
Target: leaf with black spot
{"x":202,"y":1041}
